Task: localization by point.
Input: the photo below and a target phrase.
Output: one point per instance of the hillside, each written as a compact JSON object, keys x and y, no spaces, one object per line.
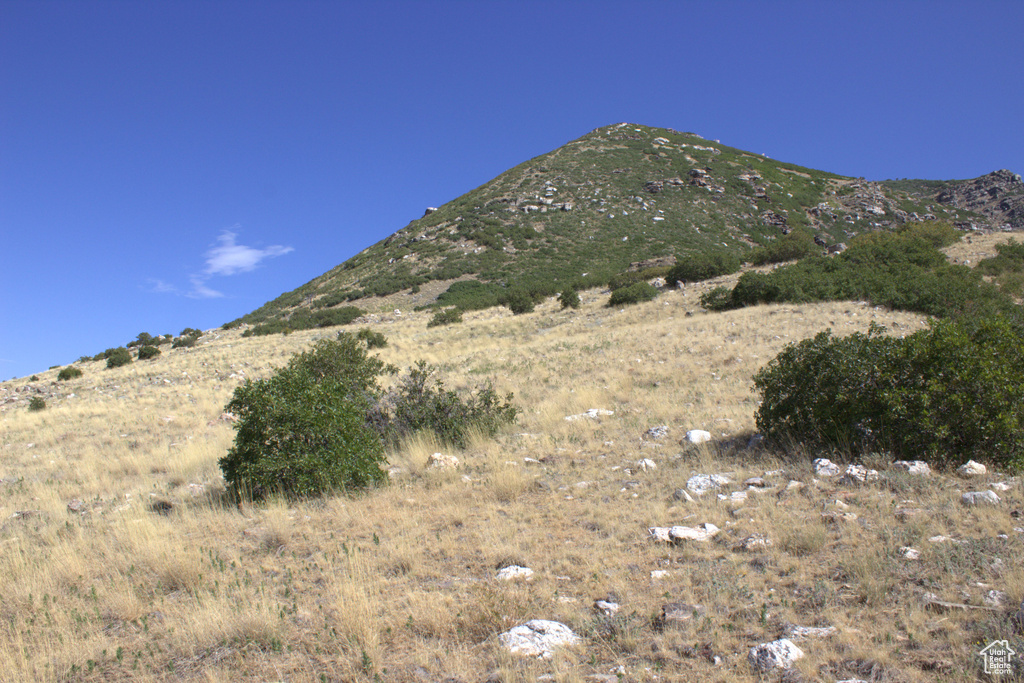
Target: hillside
{"x":619,"y":195}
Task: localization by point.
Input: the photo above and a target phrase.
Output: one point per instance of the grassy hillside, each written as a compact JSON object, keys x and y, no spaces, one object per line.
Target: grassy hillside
{"x":121,"y":559}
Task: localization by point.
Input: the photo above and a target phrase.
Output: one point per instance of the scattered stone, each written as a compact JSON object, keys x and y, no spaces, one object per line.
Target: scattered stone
{"x":1000,"y":486}
{"x":734,"y":497}
{"x":514,"y":571}
{"x":756,"y":482}
{"x":659,"y":574}
{"x":606,"y":607}
{"x":682,"y":495}
{"x":677,"y":534}
{"x":995,"y":598}
{"x":979,"y":498}
{"x":647,"y":465}
{"x":702,"y":483}
{"x":808,"y":632}
{"x":591,"y":414}
{"x":824,"y":467}
{"x":909,"y":553}
{"x":698,"y":436}
{"x":903,"y":514}
{"x":657,"y":432}
{"x":755,"y":542}
{"x":971,"y":469}
{"x":677,"y":614}
{"x":839,"y":517}
{"x":440,"y":461}
{"x":77,"y":507}
{"x":915,"y":467}
{"x":932,"y":602}
{"x":794,"y":485}
{"x":857,"y":474}
{"x":538,"y":638}
{"x":780,"y":654}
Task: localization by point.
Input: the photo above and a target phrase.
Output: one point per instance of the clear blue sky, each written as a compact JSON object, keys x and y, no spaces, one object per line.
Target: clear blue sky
{"x":177,"y":164}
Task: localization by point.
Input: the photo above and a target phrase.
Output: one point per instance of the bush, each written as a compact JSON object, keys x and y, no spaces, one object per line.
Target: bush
{"x":36,"y":403}
{"x":796,"y":245}
{"x":147,"y":352}
{"x":446,"y":317}
{"x":569,"y":298}
{"x":951,"y":392}
{"x":420,"y":401}
{"x":700,"y":267}
{"x":519,"y":301}
{"x":304,"y":430}
{"x":374,"y":340}
{"x":641,"y":291}
{"x":68,"y":373}
{"x":118,"y":357}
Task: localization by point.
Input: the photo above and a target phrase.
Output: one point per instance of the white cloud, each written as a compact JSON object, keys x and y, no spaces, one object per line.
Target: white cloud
{"x":228,"y":258}
{"x":201,"y":291}
{"x":160,"y":287}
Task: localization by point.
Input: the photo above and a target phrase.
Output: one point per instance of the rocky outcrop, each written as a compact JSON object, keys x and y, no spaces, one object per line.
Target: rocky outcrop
{"x":998,"y":196}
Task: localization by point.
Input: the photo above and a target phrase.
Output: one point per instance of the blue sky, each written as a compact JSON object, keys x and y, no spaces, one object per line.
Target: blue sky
{"x":177,"y":164}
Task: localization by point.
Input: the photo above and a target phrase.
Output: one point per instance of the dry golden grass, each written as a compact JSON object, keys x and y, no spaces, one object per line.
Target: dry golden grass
{"x":159,"y":578}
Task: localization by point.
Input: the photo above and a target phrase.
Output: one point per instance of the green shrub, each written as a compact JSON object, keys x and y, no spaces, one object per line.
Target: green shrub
{"x":1009,"y":259}
{"x":68,"y":373}
{"x":36,"y":403}
{"x":700,"y":267}
{"x":374,"y":340}
{"x":718,"y":299}
{"x":445,"y":317}
{"x":421,"y":402}
{"x":144,"y":339}
{"x":796,"y":245}
{"x":951,"y":392}
{"x":148,"y":352}
{"x":569,"y":298}
{"x":304,"y":430}
{"x":520,"y":301}
{"x":633,"y":294}
{"x":118,"y":357}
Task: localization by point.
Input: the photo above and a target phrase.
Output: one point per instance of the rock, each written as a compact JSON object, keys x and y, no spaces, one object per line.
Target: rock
{"x":908,"y":553}
{"x":514,"y":571}
{"x":980,"y":498}
{"x":702,"y":483}
{"x":995,"y":598}
{"x":538,"y":638}
{"x":440,"y":461}
{"x":857,"y":474}
{"x":677,"y":534}
{"x":591,"y":414}
{"x":756,"y":482}
{"x":606,"y":607}
{"x":807,"y":632}
{"x":1000,"y":486}
{"x":77,"y":507}
{"x":682,"y":495}
{"x":677,"y":614}
{"x":839,"y":517}
{"x":734,"y":497}
{"x":698,"y":436}
{"x":756,"y":441}
{"x":824,"y":467}
{"x":780,"y":654}
{"x":659,"y":432}
{"x":915,"y":467}
{"x":971,"y":469}
{"x":647,"y":465}
{"x":659,"y":574}
{"x":755,"y":542}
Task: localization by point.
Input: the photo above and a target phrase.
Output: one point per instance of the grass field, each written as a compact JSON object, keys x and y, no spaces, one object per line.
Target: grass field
{"x":120,"y":558}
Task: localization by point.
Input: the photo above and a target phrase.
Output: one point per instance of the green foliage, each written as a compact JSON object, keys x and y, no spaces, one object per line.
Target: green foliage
{"x":472,"y":295}
{"x":1009,"y":259}
{"x":569,"y":298}
{"x":36,"y":403}
{"x":304,"y":431}
{"x":144,"y":339}
{"x":374,"y":340}
{"x":796,"y":245}
{"x":633,"y":294}
{"x":148,"y":352}
{"x":937,"y":233}
{"x":633,"y":276}
{"x":118,"y":357}
{"x":69,"y":372}
{"x":948,"y":393}
{"x":718,"y":299}
{"x":187,"y":339}
{"x":520,"y":301}
{"x":445,"y":317}
{"x":421,"y":402}
{"x":700,"y":267}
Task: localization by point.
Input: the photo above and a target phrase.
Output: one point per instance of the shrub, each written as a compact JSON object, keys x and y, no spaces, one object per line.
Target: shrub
{"x":445,"y":317}
{"x":519,"y":301}
{"x":144,"y":339}
{"x":118,"y":357}
{"x":147,"y":352}
{"x":699,"y":267}
{"x":304,"y":431}
{"x":641,"y":291}
{"x":68,"y":373}
{"x":374,"y":340}
{"x":796,"y":245}
{"x":947,"y":393}
{"x":1009,"y":259}
{"x":569,"y":298}
{"x":36,"y":403}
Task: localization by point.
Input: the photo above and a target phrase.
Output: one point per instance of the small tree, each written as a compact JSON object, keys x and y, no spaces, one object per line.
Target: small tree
{"x":633,"y":294}
{"x":118,"y":357}
{"x":569,"y":298}
{"x":36,"y":403}
{"x":68,"y":373}
{"x":148,"y":352}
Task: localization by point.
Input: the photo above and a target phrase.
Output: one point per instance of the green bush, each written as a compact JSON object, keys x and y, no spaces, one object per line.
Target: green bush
{"x":1009,"y":259}
{"x":951,"y":392}
{"x":36,"y":403}
{"x":304,"y":430}
{"x":68,"y":373}
{"x":569,"y":298}
{"x":421,"y":402}
{"x":796,"y":245}
{"x":445,"y":317}
{"x":700,"y":267}
{"x":520,"y":301}
{"x":374,"y":340}
{"x":633,"y":294}
{"x":118,"y":357}
{"x":144,"y":339}
{"x":148,"y":352}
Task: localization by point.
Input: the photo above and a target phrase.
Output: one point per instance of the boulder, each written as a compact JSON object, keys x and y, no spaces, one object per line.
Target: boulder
{"x":779,"y":654}
{"x":700,"y":484}
{"x":915,"y":467}
{"x":677,"y":534}
{"x":591,"y":414}
{"x":824,"y":467}
{"x":657,"y":432}
{"x":980,"y":498}
{"x":857,"y":474}
{"x":538,"y":638}
{"x":971,"y":469}
{"x":513,"y":572}
{"x":440,"y":461}
{"x":698,"y":436}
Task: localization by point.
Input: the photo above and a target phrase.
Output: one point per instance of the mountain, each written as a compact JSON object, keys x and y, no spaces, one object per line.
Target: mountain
{"x":624,"y":194}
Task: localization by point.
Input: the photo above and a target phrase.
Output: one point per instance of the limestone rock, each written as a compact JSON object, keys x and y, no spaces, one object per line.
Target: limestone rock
{"x":980,"y":498}
{"x":698,"y":436}
{"x":657,"y":432}
{"x":677,"y":534}
{"x":700,"y":484}
{"x":779,"y":654}
{"x":440,"y":461}
{"x":591,"y":414}
{"x":857,"y":474}
{"x":824,"y":467}
{"x":971,"y":469}
{"x":513,"y":572}
{"x":755,"y":542}
{"x":807,"y":632}
{"x":677,"y":614}
{"x":606,"y":607}
{"x":538,"y":638}
{"x":915,"y":467}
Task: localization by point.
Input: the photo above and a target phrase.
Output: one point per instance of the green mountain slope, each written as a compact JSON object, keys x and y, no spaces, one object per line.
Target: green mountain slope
{"x":619,"y":195}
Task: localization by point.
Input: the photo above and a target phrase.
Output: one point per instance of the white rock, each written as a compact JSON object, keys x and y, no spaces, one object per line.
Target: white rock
{"x":538,"y":638}
{"x":805,"y":632}
{"x":780,"y":654}
{"x":858,"y":474}
{"x":440,"y":461}
{"x":996,"y":598}
{"x":971,"y":469}
{"x":698,"y":436}
{"x":591,"y":414}
{"x":1000,"y":486}
{"x":916,"y":467}
{"x":647,"y":465}
{"x":659,"y":574}
{"x":980,"y":497}
{"x":675,"y":534}
{"x":514,"y":571}
{"x":734,"y":497}
{"x":909,"y":553}
{"x":657,"y":432}
{"x":824,"y":467}
{"x":606,"y":607}
{"x":756,"y":542}
{"x":702,"y":483}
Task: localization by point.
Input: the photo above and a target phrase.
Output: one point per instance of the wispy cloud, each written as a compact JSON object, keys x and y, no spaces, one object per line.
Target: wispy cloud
{"x":201,"y":291}
{"x":229,"y":258}
{"x":160,"y":287}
